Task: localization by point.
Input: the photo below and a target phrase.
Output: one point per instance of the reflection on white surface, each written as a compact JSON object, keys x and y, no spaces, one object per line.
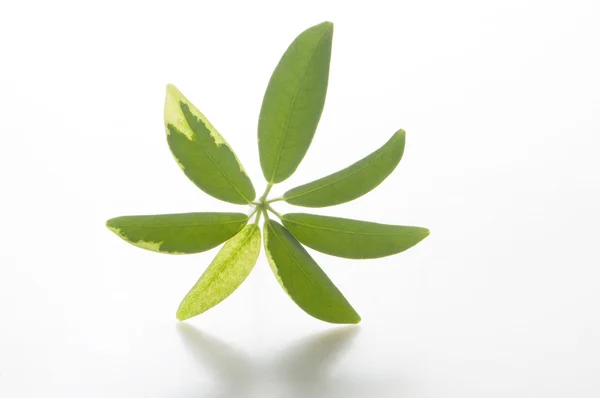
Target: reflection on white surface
{"x":306,"y":368}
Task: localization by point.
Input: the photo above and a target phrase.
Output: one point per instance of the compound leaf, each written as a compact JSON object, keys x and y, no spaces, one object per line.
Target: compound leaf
{"x":293,"y":102}
{"x":353,"y":181}
{"x":182,"y":233}
{"x":202,"y":153}
{"x":225,"y":273}
{"x":347,"y":238}
{"x":303,"y":279}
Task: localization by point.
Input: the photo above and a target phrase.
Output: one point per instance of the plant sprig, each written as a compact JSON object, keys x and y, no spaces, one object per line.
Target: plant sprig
{"x":289,"y":116}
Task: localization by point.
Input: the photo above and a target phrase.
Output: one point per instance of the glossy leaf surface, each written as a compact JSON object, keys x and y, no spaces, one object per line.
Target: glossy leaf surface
{"x":225,"y":273}
{"x":353,"y":181}
{"x":302,"y":278}
{"x":347,"y":238}
{"x":182,"y":233}
{"x":293,"y":102}
{"x":202,"y":153}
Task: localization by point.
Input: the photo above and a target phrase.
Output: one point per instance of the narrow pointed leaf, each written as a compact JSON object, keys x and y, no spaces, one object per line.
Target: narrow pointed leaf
{"x":202,"y":153}
{"x":178,"y":233}
{"x":353,"y":181}
{"x":225,"y":273}
{"x":343,"y":237}
{"x":303,"y":279}
{"x":293,"y":102}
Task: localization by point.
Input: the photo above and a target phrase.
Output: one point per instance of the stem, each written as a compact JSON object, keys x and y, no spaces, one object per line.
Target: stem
{"x":262,"y":204}
{"x":273,"y":211}
{"x":267,"y":190}
{"x":258,"y":217}
{"x":274,"y":200}
{"x":253,"y":213}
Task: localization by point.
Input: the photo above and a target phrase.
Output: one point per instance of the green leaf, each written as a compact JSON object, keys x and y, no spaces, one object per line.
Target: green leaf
{"x":352,"y":182}
{"x":225,"y":273}
{"x":343,"y":237}
{"x":201,"y":152}
{"x":178,"y":233}
{"x":303,"y":279}
{"x":293,"y":102}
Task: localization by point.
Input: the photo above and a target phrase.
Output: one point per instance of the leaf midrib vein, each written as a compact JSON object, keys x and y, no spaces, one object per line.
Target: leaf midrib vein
{"x":179,"y":225}
{"x":294,"y":259}
{"x":342,"y":231}
{"x":225,"y":261}
{"x":289,"y":116}
{"x":224,"y":174}
{"x":335,"y":181}
{"x":206,"y":152}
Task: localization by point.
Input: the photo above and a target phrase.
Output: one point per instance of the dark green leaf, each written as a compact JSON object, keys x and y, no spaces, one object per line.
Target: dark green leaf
{"x":303,"y":279}
{"x":293,"y":102}
{"x":202,"y":153}
{"x":225,"y":273}
{"x":343,"y":237}
{"x":178,"y":233}
{"x":352,"y":182}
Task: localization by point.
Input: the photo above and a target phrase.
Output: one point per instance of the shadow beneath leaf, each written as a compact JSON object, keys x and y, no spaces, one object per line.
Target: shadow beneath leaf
{"x":307,"y":368}
{"x":308,"y":364}
{"x":232,"y":370}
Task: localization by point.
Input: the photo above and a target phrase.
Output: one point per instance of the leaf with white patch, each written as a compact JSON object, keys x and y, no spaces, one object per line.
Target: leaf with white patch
{"x":225,"y":273}
{"x":352,"y":182}
{"x":347,"y":238}
{"x":293,"y":102}
{"x":302,"y":278}
{"x":182,"y":233}
{"x":202,"y":153}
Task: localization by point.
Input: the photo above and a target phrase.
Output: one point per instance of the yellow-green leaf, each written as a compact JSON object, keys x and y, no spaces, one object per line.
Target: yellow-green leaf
{"x":343,"y":237}
{"x":202,"y":153}
{"x":353,"y":181}
{"x":182,"y":233}
{"x":302,"y":278}
{"x":225,"y":273}
{"x":293,"y":102}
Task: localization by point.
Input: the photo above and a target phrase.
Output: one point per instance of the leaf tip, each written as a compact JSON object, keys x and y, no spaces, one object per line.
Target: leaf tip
{"x":327,"y":28}
{"x":355,"y":320}
{"x":172,"y":95}
{"x":110,"y":224}
{"x":350,"y":317}
{"x":420,"y":235}
{"x":171,"y":89}
{"x":399,"y":138}
{"x":184,"y":311}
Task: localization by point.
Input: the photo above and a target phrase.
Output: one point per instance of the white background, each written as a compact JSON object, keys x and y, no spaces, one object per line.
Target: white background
{"x":501,"y":104}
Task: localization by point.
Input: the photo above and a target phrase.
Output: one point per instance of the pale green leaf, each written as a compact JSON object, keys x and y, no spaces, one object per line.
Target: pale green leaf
{"x":293,"y":102}
{"x":343,"y":237}
{"x":303,"y":279}
{"x":225,"y":273}
{"x":353,"y":181}
{"x":178,"y":233}
{"x":202,"y":153}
